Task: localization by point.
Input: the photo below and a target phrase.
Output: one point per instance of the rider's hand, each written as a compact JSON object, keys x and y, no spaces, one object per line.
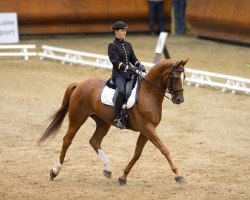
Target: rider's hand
{"x":142,"y":68}
{"x":126,"y":68}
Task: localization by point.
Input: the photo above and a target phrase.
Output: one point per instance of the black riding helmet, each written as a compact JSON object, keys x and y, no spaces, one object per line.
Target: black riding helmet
{"x":119,"y":25}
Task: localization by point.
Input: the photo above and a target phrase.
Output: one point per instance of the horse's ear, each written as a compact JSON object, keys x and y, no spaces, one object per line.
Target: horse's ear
{"x":179,"y":63}
{"x":184,"y":62}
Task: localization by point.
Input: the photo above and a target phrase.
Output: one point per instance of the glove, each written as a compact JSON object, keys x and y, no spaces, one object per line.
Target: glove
{"x":126,"y":68}
{"x":133,"y":69}
{"x":142,"y":68}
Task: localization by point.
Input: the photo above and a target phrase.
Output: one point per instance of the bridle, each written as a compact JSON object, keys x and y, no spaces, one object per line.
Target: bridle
{"x":169,"y":89}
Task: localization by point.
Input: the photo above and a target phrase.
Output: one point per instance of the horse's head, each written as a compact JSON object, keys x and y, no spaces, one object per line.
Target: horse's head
{"x":175,"y":82}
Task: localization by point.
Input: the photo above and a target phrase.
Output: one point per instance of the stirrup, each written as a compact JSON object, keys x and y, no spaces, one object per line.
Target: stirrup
{"x":118,"y":122}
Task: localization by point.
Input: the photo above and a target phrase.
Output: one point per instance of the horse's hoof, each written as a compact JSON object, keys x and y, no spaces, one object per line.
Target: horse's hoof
{"x":122,"y":181}
{"x":180,"y":179}
{"x":107,"y":173}
{"x":52,"y":175}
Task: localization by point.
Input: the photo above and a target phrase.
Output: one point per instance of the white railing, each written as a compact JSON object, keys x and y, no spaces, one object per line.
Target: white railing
{"x":226,"y":82}
{"x":194,"y":77}
{"x":75,"y":57}
{"x":20,"y":50}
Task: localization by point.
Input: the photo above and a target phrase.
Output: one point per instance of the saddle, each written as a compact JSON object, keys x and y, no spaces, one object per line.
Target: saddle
{"x":110,"y":93}
{"x":128,"y":88}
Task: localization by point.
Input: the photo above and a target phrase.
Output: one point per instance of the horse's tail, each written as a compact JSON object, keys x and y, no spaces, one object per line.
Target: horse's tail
{"x":59,"y":115}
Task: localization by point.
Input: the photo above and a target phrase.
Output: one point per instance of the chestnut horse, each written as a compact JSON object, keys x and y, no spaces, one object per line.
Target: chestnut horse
{"x":83,"y":100}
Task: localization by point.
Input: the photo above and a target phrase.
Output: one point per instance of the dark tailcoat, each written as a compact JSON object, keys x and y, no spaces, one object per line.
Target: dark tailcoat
{"x":121,"y":54}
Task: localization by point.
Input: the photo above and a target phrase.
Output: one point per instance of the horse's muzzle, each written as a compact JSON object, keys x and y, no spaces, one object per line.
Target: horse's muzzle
{"x":178,"y":100}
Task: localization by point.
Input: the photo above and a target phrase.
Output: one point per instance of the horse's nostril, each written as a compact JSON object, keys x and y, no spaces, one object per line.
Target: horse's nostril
{"x":179,"y":100}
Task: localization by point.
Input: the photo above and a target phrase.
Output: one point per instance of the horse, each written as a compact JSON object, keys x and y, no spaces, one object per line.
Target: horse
{"x":83,"y":100}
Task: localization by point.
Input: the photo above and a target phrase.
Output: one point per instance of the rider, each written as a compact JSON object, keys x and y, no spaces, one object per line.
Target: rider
{"x":121,"y":54}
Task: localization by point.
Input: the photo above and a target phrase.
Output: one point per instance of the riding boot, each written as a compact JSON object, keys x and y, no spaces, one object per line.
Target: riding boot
{"x":118,"y":107}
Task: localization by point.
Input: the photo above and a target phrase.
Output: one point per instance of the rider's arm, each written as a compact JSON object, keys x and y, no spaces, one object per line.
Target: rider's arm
{"x":114,"y":57}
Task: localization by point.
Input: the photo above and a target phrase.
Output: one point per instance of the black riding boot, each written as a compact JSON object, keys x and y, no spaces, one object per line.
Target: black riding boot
{"x":118,"y":107}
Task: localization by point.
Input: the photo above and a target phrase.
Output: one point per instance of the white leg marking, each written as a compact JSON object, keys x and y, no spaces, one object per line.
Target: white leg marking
{"x":56,"y":169}
{"x":104,"y":159}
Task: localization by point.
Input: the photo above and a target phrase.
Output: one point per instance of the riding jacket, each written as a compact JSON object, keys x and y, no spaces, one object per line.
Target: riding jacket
{"x":121,"y":54}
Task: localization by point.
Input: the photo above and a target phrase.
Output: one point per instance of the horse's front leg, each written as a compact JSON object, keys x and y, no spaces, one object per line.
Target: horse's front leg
{"x":141,"y":141}
{"x":154,"y":138}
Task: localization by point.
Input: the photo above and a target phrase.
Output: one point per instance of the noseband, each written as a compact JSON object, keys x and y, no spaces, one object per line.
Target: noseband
{"x":169,"y":89}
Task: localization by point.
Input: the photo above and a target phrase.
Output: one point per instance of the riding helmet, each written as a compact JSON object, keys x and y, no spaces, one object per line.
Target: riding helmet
{"x":119,"y":25}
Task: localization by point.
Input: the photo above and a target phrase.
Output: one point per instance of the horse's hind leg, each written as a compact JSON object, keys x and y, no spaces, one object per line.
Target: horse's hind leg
{"x":141,"y":141}
{"x":74,"y":125}
{"x":102,"y":129}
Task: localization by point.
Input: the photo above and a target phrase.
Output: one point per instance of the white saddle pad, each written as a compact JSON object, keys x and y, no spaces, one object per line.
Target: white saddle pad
{"x":108,"y":93}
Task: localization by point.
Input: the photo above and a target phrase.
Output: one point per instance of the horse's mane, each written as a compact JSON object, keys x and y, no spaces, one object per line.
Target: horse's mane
{"x":158,"y":69}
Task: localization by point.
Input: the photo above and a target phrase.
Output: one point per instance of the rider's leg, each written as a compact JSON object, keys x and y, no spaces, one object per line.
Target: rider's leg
{"x":118,"y":105}
{"x":120,"y":85}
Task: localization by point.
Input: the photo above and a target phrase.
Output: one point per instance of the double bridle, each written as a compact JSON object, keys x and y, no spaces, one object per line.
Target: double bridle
{"x":169,"y":89}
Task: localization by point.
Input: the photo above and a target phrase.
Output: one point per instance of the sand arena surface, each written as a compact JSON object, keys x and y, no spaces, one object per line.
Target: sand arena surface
{"x":208,"y":134}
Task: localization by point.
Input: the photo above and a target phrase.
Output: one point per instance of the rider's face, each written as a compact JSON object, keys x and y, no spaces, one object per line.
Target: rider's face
{"x":121,"y":33}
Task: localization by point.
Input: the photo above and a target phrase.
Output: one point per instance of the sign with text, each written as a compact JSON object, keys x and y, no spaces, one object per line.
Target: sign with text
{"x":8,"y":28}
{"x":161,"y":42}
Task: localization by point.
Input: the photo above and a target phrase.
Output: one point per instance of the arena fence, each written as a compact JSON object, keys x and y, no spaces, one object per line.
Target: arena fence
{"x":19,"y":50}
{"x":194,"y":77}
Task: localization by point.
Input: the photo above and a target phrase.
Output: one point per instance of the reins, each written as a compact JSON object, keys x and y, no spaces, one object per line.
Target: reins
{"x":161,"y":90}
